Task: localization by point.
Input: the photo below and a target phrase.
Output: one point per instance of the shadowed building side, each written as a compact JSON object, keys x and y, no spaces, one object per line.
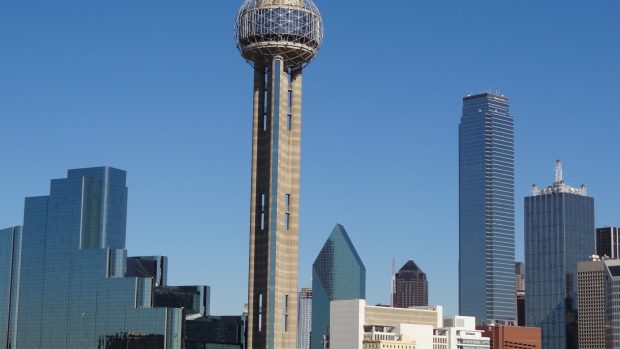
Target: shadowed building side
{"x":411,"y":286}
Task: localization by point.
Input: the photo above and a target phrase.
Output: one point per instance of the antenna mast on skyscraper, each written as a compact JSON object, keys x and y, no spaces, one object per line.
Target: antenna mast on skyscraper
{"x":393,"y":290}
{"x":559,"y":175}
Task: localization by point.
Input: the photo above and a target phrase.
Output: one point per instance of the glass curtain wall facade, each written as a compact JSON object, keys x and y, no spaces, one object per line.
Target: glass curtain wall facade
{"x":559,"y":233}
{"x":73,"y":293}
{"x":304,"y":315}
{"x":608,"y":242}
{"x":486,"y":209}
{"x":10,"y":258}
{"x":337,"y":274}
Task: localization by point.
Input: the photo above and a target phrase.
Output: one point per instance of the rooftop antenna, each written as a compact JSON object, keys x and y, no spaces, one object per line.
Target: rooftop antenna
{"x":559,"y":175}
{"x":393,"y":291}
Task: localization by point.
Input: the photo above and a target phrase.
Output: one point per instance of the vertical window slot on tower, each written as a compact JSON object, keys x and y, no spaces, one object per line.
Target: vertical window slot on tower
{"x":260,"y":312}
{"x":262,"y":211}
{"x":290,"y":102}
{"x":285,"y":311}
{"x":287,"y":213}
{"x":265,"y":110}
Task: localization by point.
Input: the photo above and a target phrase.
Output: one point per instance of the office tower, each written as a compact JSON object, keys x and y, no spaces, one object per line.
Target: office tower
{"x":337,"y":274}
{"x":520,"y":292}
{"x":278,"y":38}
{"x":72,"y":289}
{"x":304,"y":318}
{"x":559,"y":233}
{"x":10,"y":259}
{"x":486,"y":209}
{"x":607,"y":242}
{"x":71,"y":283}
{"x":411,"y":286}
{"x":595,"y":304}
{"x":519,"y":277}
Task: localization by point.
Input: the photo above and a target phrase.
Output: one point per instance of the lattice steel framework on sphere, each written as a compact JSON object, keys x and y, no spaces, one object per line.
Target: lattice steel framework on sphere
{"x":292,"y":29}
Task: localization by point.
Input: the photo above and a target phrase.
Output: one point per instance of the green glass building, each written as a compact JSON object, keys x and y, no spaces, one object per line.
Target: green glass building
{"x":337,"y":274}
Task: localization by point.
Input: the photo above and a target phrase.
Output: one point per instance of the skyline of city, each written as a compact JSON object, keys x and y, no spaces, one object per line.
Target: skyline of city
{"x":163,"y":200}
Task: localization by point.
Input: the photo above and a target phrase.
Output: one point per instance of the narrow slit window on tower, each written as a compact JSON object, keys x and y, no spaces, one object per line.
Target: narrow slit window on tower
{"x":262,"y":221}
{"x":262,"y":211}
{"x":285,"y":311}
{"x":287,"y":213}
{"x":260,"y":312}
{"x":289,"y":122}
{"x":265,"y":110}
{"x":290,"y":102}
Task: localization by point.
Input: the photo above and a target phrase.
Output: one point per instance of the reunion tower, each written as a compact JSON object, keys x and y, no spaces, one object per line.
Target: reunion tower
{"x":278,"y":38}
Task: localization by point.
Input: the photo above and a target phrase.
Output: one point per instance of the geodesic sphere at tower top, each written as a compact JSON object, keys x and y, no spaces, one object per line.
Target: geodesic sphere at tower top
{"x":291,"y":29}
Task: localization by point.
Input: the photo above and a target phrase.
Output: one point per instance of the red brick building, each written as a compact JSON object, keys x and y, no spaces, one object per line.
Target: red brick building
{"x":512,"y":337}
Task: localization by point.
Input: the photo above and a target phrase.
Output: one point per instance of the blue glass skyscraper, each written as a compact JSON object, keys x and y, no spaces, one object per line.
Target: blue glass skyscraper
{"x":71,"y":290}
{"x":486,"y":209}
{"x":10,"y":259}
{"x":337,"y":274}
{"x":559,"y":233}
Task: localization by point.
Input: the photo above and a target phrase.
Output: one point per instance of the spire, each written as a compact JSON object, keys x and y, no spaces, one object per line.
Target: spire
{"x":559,"y":174}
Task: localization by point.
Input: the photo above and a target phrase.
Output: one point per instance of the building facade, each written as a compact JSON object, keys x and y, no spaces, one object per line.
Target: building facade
{"x":598,"y":284}
{"x":66,"y":281}
{"x":460,"y":333}
{"x":353,"y":322}
{"x":304,"y":322}
{"x":278,"y":38}
{"x":72,"y":290}
{"x":338,"y":273}
{"x":608,"y":242}
{"x":520,"y":292}
{"x":10,"y":260}
{"x":559,"y":233}
{"x":512,"y":337}
{"x":486,"y":209}
{"x":411,"y":286}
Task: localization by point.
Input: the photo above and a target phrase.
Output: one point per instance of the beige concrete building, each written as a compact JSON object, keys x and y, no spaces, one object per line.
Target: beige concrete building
{"x":273,"y":39}
{"x":384,"y":337}
{"x":351,"y":319}
{"x":598,"y":284}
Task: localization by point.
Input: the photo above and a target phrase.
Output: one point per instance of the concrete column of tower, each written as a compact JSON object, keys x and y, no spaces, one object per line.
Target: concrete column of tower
{"x":273,"y":261}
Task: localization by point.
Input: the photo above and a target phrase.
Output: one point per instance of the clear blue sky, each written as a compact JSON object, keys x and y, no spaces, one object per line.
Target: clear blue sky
{"x":157,"y":88}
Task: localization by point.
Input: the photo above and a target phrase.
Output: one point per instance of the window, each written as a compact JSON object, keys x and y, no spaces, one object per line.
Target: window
{"x":262,"y":211}
{"x":287,"y":214}
{"x":285,"y":311}
{"x":260,"y":312}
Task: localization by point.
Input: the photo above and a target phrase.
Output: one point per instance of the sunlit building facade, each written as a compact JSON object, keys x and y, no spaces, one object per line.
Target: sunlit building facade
{"x":304,"y":321}
{"x":66,"y":281}
{"x":486,"y":209}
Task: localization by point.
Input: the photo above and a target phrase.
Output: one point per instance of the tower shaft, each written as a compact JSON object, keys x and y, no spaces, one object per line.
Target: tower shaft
{"x":274,"y":219}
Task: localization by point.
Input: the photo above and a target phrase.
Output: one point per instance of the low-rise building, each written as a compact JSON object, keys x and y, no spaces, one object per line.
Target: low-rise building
{"x":385,"y":337}
{"x":513,"y":337}
{"x":355,"y":325}
{"x":349,"y":318}
{"x":460,"y":333}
